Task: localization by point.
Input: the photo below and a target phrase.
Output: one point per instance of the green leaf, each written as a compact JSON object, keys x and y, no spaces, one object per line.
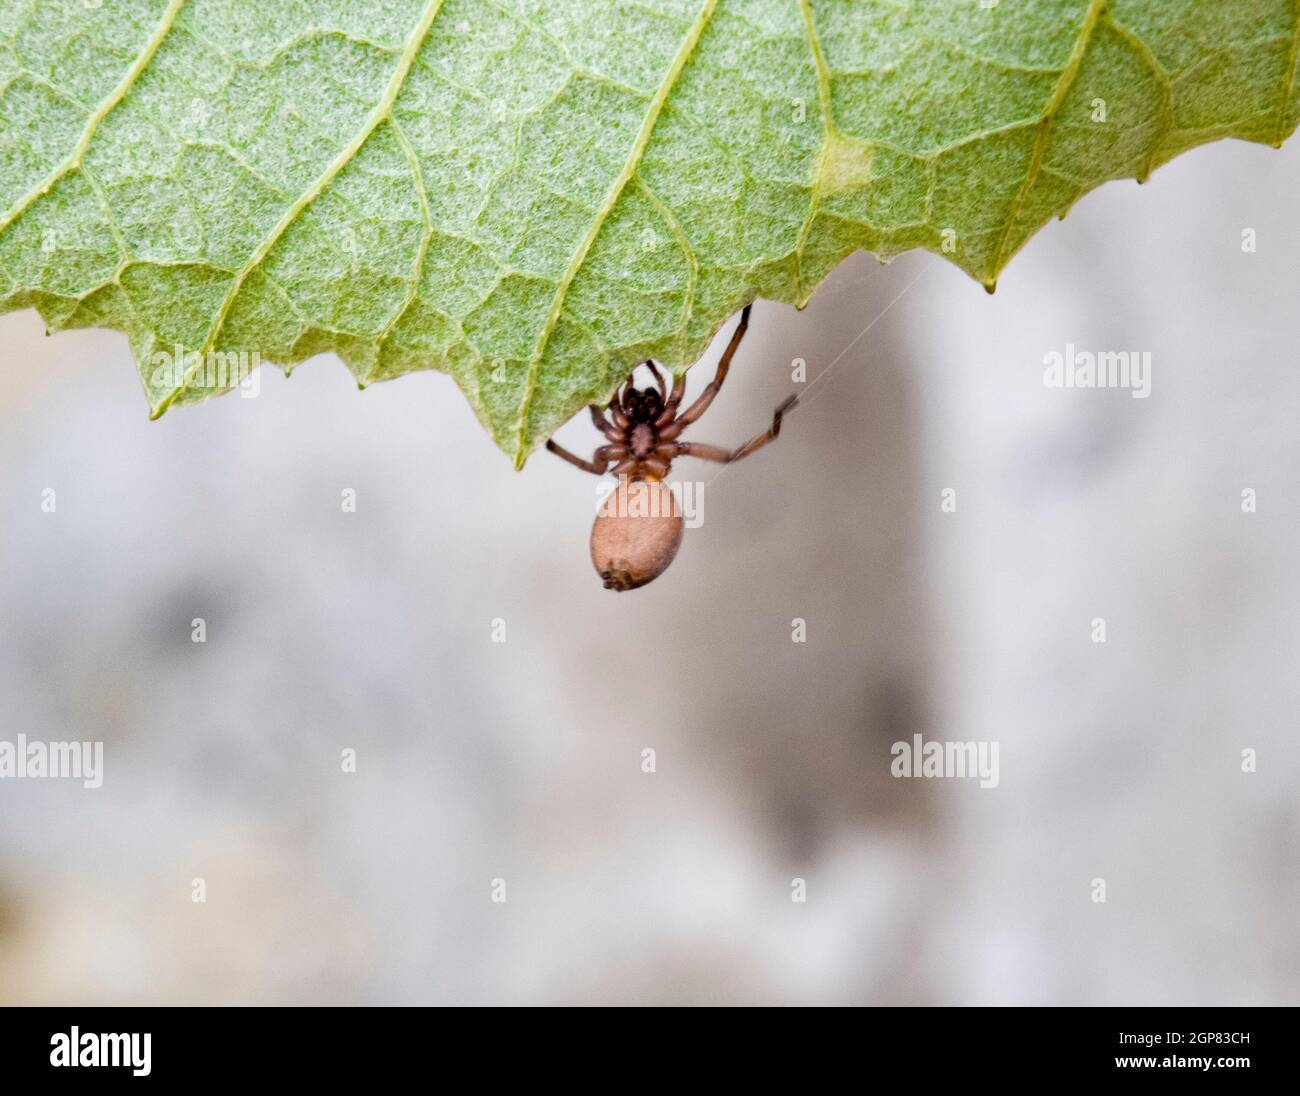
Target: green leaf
{"x":533,"y":195}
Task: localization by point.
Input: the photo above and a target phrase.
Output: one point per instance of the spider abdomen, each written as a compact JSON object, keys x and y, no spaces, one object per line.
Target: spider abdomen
{"x":636,"y":534}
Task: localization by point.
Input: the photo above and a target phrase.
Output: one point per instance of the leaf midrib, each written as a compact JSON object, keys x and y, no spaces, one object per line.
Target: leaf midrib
{"x":630,"y":165}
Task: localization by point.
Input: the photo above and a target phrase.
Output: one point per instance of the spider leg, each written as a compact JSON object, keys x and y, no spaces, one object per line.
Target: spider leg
{"x":659,"y":379}
{"x":724,"y":363}
{"x":604,"y":425}
{"x":724,"y":456}
{"x":671,"y":403}
{"x":600,"y":458}
{"x":616,"y":411}
{"x":704,"y":452}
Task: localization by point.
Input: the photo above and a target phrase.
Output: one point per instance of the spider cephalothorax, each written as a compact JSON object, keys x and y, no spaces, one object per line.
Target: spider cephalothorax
{"x":642,"y":429}
{"x":643,"y":404}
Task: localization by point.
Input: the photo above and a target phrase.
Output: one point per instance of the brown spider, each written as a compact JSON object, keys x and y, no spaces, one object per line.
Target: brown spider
{"x":645,"y":427}
{"x":637,"y":536}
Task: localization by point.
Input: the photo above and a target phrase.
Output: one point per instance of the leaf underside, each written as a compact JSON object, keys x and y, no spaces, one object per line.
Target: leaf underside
{"x":534,"y":195}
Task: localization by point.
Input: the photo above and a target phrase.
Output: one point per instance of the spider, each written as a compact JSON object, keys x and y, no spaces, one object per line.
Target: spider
{"x":643,"y":424}
{"x":636,"y":538}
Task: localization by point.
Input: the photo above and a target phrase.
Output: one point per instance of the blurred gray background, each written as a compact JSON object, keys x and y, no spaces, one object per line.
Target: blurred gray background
{"x":522,"y":760}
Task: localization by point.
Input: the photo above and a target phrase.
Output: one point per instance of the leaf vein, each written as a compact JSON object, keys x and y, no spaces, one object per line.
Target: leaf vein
{"x":417,"y":271}
{"x":1044,"y":124}
{"x":1143,"y":51}
{"x":683,"y":55}
{"x":828,"y":137}
{"x":380,"y":114}
{"x":73,"y":160}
